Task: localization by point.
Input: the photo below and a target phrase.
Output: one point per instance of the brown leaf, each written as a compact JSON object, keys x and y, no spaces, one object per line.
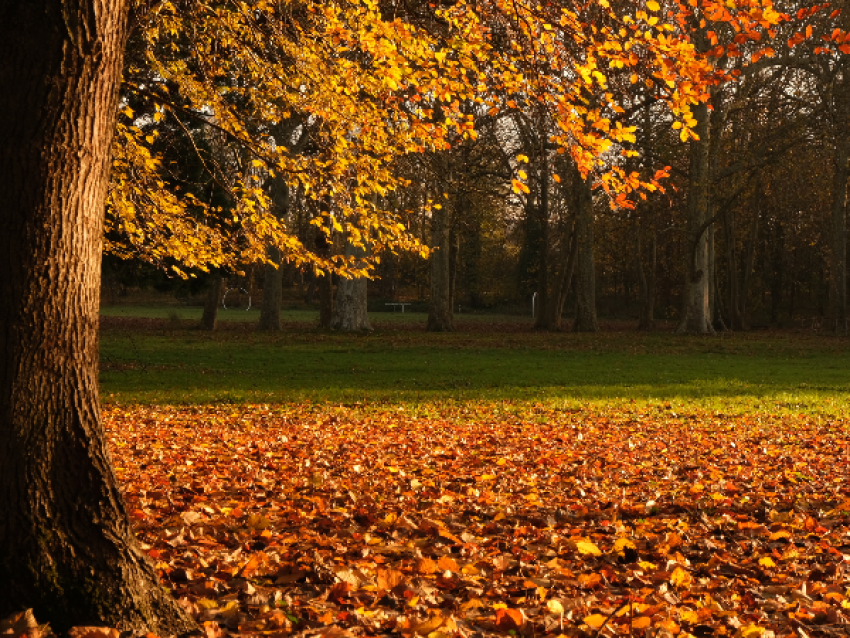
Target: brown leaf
{"x":387,"y":579}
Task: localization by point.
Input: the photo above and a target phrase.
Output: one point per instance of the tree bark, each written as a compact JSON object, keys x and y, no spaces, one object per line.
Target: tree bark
{"x":696,"y":316}
{"x":209,"y":318}
{"x":646,"y":319}
{"x":585,"y":268}
{"x":440,"y":311}
{"x":273,"y":274}
{"x":565,"y":275}
{"x":349,"y":312}
{"x":68,"y":550}
{"x":272,"y":292}
{"x":749,"y":261}
{"x":325,"y":283}
{"x":543,"y":314}
{"x":735,"y":319}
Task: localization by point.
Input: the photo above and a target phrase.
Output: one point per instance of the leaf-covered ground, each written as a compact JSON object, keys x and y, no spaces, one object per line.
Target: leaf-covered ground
{"x":492,"y":519}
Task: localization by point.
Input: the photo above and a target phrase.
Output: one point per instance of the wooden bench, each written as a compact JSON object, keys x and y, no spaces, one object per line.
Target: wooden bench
{"x":395,"y":304}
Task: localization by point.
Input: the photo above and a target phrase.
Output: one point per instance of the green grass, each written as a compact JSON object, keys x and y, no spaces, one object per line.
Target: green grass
{"x":489,"y":358}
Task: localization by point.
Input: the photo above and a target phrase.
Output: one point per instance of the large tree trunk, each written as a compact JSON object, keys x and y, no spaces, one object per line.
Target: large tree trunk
{"x":209,"y":318}
{"x":349,"y":312}
{"x":585,"y":268}
{"x":67,"y":547}
{"x":440,"y":315}
{"x":696,"y":317}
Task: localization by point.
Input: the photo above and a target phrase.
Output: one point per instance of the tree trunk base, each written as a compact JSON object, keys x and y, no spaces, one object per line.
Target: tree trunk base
{"x":68,"y":585}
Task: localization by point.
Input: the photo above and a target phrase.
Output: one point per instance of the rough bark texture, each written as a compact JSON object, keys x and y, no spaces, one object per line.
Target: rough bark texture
{"x":696,"y":315}
{"x":67,"y":547}
{"x":349,"y":312}
{"x":440,"y":315}
{"x":585,"y":269}
{"x":209,"y":318}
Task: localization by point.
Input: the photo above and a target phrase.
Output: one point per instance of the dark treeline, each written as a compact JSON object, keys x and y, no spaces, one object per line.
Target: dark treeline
{"x":749,"y":229}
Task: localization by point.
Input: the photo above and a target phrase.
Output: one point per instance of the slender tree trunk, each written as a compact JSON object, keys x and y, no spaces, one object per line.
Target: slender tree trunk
{"x":440,"y":311}
{"x":585,"y":268}
{"x":696,"y":316}
{"x":350,"y":307}
{"x":735,"y":319}
{"x":68,"y":550}
{"x":273,"y":273}
{"x":272,"y":292}
{"x":543,"y":313}
{"x":324,"y":283}
{"x":209,"y":319}
{"x":565,"y":275}
{"x":749,"y":261}
{"x":646,"y":319}
{"x":838,"y":238}
{"x":454,"y":256}
{"x":777,"y":280}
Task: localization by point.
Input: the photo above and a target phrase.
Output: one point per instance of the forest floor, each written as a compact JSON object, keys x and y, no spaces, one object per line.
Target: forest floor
{"x":493,"y":481}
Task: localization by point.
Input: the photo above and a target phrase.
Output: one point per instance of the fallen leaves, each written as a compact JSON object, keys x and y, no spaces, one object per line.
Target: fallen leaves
{"x":304,"y":519}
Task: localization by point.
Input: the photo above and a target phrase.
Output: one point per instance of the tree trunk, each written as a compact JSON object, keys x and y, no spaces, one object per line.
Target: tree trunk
{"x":325,"y":283}
{"x":646,"y":319}
{"x":454,"y":257}
{"x":749,"y":261}
{"x":349,"y":312}
{"x":68,"y":550}
{"x":272,"y":292}
{"x":838,"y":239}
{"x":585,"y":269}
{"x":565,"y":275}
{"x":209,"y":319}
{"x":696,"y":316}
{"x":273,"y":275}
{"x":543,"y":314}
{"x":735,"y":320}
{"x":440,"y":312}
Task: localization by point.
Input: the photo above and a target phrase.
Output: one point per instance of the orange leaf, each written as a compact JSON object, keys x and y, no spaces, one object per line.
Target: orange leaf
{"x":508,"y":619}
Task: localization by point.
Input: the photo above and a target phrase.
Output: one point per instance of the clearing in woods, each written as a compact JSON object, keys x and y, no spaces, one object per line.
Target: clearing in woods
{"x":494,"y":481}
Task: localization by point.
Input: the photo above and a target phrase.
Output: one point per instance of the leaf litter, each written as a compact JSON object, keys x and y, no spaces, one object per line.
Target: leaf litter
{"x":491,"y":519}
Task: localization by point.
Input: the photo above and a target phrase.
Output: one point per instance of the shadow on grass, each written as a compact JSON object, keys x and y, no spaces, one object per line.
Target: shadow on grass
{"x":776,"y":371}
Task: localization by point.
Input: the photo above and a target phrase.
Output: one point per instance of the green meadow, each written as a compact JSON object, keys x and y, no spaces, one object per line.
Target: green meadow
{"x":155,"y":355}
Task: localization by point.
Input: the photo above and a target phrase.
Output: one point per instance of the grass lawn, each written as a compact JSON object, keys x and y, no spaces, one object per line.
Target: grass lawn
{"x":157,"y":359}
